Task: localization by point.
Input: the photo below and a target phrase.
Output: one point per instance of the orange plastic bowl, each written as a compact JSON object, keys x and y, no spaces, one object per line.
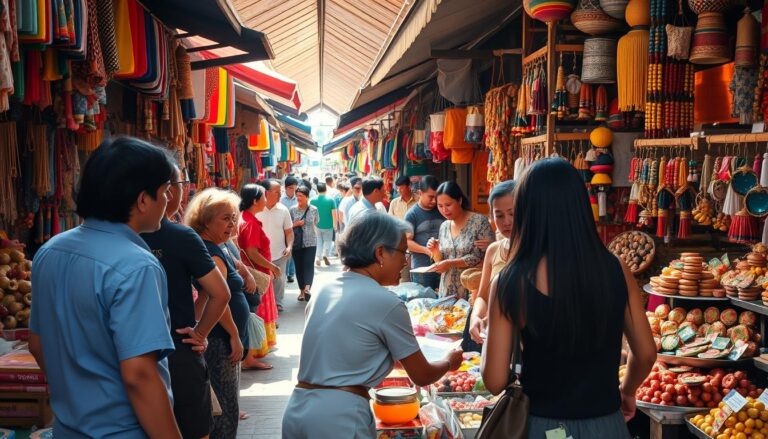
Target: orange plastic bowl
{"x":396,"y":413}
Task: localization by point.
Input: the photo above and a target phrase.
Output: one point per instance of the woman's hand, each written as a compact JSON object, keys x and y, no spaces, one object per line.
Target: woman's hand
{"x":454,"y":359}
{"x":237,"y":349}
{"x":483,"y":244}
{"x":433,"y":245}
{"x":628,"y":406}
{"x":276,"y":273}
{"x":442,"y":266}
{"x":250,"y":284}
{"x":477,"y":326}
{"x":298,"y":223}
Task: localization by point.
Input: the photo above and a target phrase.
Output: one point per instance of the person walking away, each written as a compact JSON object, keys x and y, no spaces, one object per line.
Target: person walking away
{"x":461,"y":242}
{"x":567,"y":315}
{"x":425,"y":220}
{"x":398,"y":207}
{"x":289,"y":200}
{"x":331,"y":398}
{"x":213,"y":214}
{"x":101,"y":300}
{"x":277,"y":225}
{"x":373,"y":192}
{"x":305,"y":216}
{"x":185,"y":257}
{"x":330,"y":185}
{"x":255,"y":249}
{"x":354,"y":194}
{"x":326,"y":210}
{"x":502,"y":202}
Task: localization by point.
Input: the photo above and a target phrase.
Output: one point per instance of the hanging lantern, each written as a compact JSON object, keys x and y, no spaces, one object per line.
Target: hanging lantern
{"x":549,"y":10}
{"x":710,"y":40}
{"x":601,"y":137}
{"x":747,"y":40}
{"x":590,"y":19}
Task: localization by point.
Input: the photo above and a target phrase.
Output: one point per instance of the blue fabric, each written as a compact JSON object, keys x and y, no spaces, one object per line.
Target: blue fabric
{"x":100,"y":298}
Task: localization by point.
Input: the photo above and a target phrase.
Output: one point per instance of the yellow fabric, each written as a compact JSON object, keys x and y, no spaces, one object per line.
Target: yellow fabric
{"x":221,"y":116}
{"x":126,"y":62}
{"x":262,"y":139}
{"x":455,"y":123}
{"x":43,"y":14}
{"x":632,"y":68}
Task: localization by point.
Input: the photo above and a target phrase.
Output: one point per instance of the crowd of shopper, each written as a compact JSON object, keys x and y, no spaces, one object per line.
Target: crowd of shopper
{"x":209,"y":291}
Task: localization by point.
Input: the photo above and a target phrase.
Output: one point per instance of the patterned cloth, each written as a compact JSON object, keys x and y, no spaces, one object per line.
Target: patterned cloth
{"x":106,"y":35}
{"x":463,"y":246}
{"x":310,"y":237}
{"x":225,"y":380}
{"x":742,"y":89}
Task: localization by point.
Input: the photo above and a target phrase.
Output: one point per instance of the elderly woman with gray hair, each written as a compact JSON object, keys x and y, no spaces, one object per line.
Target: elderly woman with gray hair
{"x":355,"y":331}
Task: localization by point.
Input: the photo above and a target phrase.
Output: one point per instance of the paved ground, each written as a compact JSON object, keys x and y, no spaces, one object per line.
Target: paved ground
{"x":264,"y":394}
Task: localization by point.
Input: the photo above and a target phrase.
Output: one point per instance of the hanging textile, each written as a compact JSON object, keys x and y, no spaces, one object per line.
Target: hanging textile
{"x":260,"y":141}
{"x":123,"y":39}
{"x":42,"y":32}
{"x":107,"y":37}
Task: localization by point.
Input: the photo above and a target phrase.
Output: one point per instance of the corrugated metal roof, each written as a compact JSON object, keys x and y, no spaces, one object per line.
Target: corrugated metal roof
{"x":354,"y":33}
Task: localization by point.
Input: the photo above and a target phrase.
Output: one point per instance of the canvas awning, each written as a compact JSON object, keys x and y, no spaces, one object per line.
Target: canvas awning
{"x":342,"y":141}
{"x":218,"y":23}
{"x":372,"y":110}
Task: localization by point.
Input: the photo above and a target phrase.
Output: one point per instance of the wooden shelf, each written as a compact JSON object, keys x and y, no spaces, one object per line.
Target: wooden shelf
{"x":690,"y":142}
{"x":559,"y":137}
{"x":558,"y":48}
{"x":738,"y":138}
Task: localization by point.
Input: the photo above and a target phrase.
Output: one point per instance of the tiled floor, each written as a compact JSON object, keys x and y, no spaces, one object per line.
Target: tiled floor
{"x":264,"y":394}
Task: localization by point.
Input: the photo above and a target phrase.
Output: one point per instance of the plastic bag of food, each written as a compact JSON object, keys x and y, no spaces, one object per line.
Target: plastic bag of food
{"x":439,"y":422}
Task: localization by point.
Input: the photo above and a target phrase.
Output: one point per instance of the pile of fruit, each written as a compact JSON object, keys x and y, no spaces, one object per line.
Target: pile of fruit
{"x":708,"y":334}
{"x":15,"y":289}
{"x":636,"y":249}
{"x":688,"y":276}
{"x":438,"y":316}
{"x":685,"y":386}
{"x":470,"y":420}
{"x":702,"y":213}
{"x":460,"y":382}
{"x":751,"y":422}
{"x":469,"y":403}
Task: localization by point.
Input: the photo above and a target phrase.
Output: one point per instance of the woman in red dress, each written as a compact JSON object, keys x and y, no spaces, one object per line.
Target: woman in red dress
{"x":254,"y":245}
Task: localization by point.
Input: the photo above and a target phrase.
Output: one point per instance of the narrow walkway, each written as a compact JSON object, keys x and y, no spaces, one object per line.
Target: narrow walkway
{"x":264,"y":394}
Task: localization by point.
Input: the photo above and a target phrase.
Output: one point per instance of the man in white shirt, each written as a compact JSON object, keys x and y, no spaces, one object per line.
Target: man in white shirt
{"x":330,"y":185}
{"x":279,"y":229}
{"x":373,"y":192}
{"x":354,"y":194}
{"x":289,"y":200}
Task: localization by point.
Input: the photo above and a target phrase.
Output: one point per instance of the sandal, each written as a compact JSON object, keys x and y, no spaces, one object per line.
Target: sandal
{"x":258,"y":365}
{"x":244,"y":416}
{"x":301,"y":298}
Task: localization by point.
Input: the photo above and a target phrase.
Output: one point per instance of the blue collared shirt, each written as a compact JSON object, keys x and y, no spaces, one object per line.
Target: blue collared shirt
{"x":289,"y":202}
{"x":361,"y":206}
{"x":101,"y":297}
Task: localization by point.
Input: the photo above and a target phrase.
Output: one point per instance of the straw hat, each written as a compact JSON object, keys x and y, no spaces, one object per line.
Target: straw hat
{"x":470,"y":279}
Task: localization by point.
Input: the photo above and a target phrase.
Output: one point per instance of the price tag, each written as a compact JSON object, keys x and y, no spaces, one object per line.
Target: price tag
{"x":720,"y":418}
{"x":764,"y":397}
{"x":711,"y":336}
{"x":735,"y":401}
{"x":557,"y":433}
{"x":758,"y":127}
{"x":686,"y":334}
{"x":737,"y":352}
{"x":721,"y":343}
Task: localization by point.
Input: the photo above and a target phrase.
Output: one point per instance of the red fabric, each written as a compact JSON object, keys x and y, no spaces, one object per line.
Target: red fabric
{"x":251,"y":235}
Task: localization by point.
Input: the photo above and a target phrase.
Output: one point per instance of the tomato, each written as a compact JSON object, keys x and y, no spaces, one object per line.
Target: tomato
{"x":655,"y":385}
{"x":696,"y":391}
{"x":699,"y":404}
{"x":655,"y":400}
{"x":666,"y":397}
{"x":740,"y":374}
{"x":707,"y":387}
{"x":670,"y":388}
{"x":681,"y":400}
{"x":711,"y":404}
{"x":717,"y":396}
{"x":706,"y":397}
{"x":716,"y":381}
{"x":657,"y":394}
{"x":646,"y":399}
{"x":744,"y":383}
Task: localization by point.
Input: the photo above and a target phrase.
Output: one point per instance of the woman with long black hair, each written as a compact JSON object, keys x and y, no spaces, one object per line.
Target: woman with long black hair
{"x":571,"y":300}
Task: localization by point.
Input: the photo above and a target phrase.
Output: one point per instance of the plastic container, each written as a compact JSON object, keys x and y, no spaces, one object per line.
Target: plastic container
{"x":395,"y":405}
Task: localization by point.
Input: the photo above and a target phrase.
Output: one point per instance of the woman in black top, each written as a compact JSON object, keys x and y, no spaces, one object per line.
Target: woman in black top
{"x":573,"y":300}
{"x":213,"y":214}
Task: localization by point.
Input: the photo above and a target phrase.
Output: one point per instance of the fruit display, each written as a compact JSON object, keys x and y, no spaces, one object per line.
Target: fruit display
{"x":688,"y":276}
{"x":469,"y":403}
{"x":470,"y":420}
{"x":636,"y":249}
{"x":685,"y":386}
{"x":438,"y":316}
{"x":751,"y":422}
{"x":703,"y":213}
{"x":15,"y":289}
{"x":706,"y":334}
{"x":460,"y":382}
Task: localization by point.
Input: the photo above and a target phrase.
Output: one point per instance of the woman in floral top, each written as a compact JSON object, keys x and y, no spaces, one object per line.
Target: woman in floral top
{"x":304,"y":252}
{"x":462,"y":241}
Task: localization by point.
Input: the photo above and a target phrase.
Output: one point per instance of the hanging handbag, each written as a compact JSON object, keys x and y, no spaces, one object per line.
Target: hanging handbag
{"x":262,"y":279}
{"x":508,"y":418}
{"x":298,"y":233}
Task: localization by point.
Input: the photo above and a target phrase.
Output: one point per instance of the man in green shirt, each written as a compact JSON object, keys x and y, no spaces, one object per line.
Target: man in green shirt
{"x":326,"y":208}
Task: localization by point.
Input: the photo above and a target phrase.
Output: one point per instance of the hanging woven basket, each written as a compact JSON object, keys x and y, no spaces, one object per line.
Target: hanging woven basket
{"x":591,"y":19}
{"x":710,"y":40}
{"x":599,"y":66}
{"x":614,"y":8}
{"x":702,"y":6}
{"x":747,"y":40}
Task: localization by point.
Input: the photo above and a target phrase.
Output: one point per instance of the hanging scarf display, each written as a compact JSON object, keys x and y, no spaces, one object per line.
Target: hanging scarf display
{"x":41,"y":31}
{"x":107,"y":34}
{"x":123,"y":39}
{"x":742,"y":86}
{"x":500,"y":103}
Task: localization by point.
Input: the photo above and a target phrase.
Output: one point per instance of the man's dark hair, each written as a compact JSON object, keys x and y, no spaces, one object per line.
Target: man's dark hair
{"x":303,"y":175}
{"x":291,"y":181}
{"x":403,"y":180}
{"x":429,"y":182}
{"x":321,"y":188}
{"x":303,"y":190}
{"x":315,"y":181}
{"x":118,"y":171}
{"x":354,"y":181}
{"x":371,"y":184}
{"x":267,"y":183}
{"x":328,"y":179}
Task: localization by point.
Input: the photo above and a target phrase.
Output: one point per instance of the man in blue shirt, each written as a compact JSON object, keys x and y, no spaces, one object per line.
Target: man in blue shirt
{"x":100,"y":325}
{"x":373,"y":192}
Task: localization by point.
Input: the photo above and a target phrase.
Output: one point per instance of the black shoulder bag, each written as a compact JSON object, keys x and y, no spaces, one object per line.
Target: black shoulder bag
{"x":298,"y":233}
